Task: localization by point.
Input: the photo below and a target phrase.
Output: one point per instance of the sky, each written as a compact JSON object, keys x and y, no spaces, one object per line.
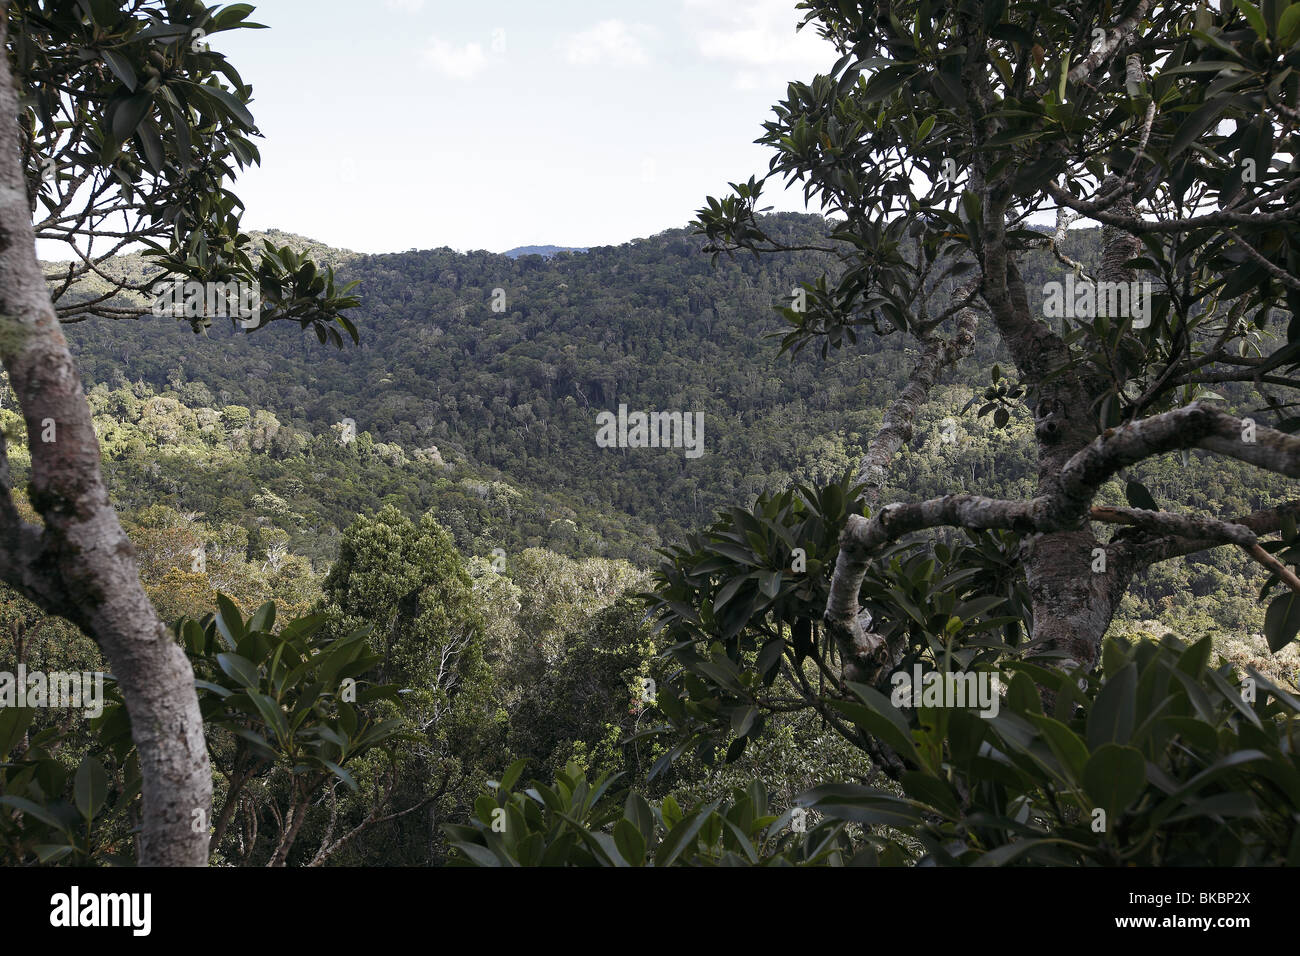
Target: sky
{"x":398,"y":124}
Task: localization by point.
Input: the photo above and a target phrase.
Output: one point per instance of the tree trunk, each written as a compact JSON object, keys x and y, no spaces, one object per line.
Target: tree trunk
{"x":234,"y":788}
{"x":1074,"y":597}
{"x":297,"y":814}
{"x":81,"y":565}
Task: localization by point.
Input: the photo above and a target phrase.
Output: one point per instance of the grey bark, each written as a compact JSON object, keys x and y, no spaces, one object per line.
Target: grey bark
{"x":1073,"y":605}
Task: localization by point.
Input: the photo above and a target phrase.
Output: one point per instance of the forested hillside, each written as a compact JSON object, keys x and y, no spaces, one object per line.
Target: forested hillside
{"x":488,"y":417}
{"x":649,"y":324}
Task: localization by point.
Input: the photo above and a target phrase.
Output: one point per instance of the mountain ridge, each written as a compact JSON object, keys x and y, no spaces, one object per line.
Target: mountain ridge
{"x":546,"y":252}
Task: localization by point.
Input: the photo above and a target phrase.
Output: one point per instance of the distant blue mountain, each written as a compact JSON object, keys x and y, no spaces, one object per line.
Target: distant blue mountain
{"x":546,"y":251}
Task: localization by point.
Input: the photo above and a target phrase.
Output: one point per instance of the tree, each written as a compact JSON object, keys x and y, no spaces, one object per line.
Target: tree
{"x":122,"y":130}
{"x":410,"y":585}
{"x":939,"y":134}
{"x":297,"y":716}
{"x":590,"y":697}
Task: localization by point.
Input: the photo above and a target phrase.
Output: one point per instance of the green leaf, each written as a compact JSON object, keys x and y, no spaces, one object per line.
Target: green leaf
{"x":302,"y":627}
{"x":90,"y":787}
{"x":341,"y":774}
{"x":260,"y":745}
{"x":511,"y":776}
{"x":1254,"y":17}
{"x":672,"y":813}
{"x":1139,"y":497}
{"x":975,"y":607}
{"x":637,"y":810}
{"x":271,"y":713}
{"x":886,"y":81}
{"x":160,"y":30}
{"x":728,"y":591}
{"x":34,"y":809}
{"x":1282,"y":620}
{"x":121,"y":68}
{"x":127,"y":116}
{"x":630,"y":843}
{"x":932,"y":790}
{"x":1114,"y":777}
{"x":14,"y":722}
{"x":859,"y":804}
{"x":232,"y":15}
{"x":1111,"y":719}
{"x":1010,"y":851}
{"x":232,"y":103}
{"x":151,"y":144}
{"x":683,"y":835}
{"x":213,"y":688}
{"x":1234,"y":803}
{"x":230,"y":623}
{"x":263,"y":618}
{"x":241,"y":670}
{"x":949,"y":89}
{"x":52,"y":852}
{"x":478,"y":855}
{"x":742,"y":719}
{"x":1288,"y":30}
{"x":1191,"y":128}
{"x":878,"y":716}
{"x":1065,"y":744}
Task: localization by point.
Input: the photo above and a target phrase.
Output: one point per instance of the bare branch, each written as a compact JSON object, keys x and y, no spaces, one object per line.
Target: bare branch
{"x":1063,"y":506}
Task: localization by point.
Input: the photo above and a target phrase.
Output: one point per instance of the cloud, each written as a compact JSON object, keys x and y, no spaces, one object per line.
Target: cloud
{"x":405,"y":6}
{"x":609,"y":43}
{"x":758,"y":39}
{"x":460,"y":62}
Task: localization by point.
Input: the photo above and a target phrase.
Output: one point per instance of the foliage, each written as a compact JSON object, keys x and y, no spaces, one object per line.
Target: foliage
{"x":291,"y":704}
{"x":134,"y":100}
{"x":742,"y":604}
{"x":294,"y":699}
{"x":55,"y":813}
{"x":1160,"y":760}
{"x":574,"y":823}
